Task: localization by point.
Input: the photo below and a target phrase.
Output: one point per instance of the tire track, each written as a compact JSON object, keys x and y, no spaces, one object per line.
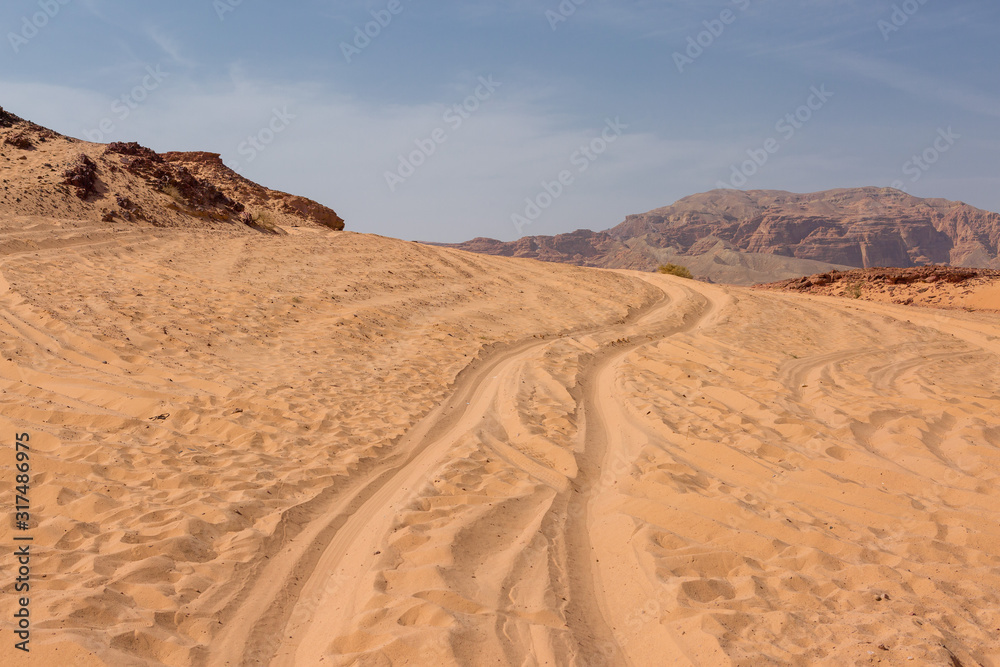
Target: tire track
{"x":322,"y":569}
{"x":608,"y":435}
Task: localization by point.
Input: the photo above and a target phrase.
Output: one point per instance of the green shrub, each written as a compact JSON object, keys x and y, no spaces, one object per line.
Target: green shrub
{"x":675,"y":270}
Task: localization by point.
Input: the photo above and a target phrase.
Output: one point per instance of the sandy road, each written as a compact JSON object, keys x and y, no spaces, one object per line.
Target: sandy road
{"x":348,"y":564}
{"x":348,"y":529}
{"x":804,"y":458}
{"x":607,"y":588}
{"x":725,"y":449}
{"x":323,"y":605}
{"x":726,"y":477}
{"x":222,"y":414}
{"x":310,"y":592}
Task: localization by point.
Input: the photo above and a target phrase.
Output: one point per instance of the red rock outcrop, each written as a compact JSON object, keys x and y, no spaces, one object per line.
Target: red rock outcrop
{"x":196,"y":195}
{"x":209,"y":167}
{"x":82,"y":175}
{"x":8,"y":119}
{"x":861,"y":227}
{"x":932,"y":286}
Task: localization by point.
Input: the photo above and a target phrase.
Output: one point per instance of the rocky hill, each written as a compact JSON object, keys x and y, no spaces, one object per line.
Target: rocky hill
{"x":48,"y":175}
{"x":747,"y":237}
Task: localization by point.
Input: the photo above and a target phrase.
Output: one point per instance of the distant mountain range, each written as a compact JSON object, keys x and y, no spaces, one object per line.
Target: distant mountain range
{"x":745,"y":237}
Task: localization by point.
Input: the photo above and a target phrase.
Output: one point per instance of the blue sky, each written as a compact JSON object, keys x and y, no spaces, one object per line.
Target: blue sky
{"x":631,"y":104}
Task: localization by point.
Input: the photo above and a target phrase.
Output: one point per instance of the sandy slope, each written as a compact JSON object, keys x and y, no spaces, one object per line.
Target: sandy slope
{"x":284,"y":370}
{"x":378,"y":453}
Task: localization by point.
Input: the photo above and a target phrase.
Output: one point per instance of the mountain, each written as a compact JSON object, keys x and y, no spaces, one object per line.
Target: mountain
{"x":50,"y":175}
{"x":765,"y":235}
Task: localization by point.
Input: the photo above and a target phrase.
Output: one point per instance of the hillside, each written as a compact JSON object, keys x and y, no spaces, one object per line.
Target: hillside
{"x":52,"y":176}
{"x":756,"y":236}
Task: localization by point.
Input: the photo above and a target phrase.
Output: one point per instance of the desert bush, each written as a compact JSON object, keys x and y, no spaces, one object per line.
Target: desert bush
{"x":173,"y":192}
{"x":675,"y":270}
{"x":260,"y":220}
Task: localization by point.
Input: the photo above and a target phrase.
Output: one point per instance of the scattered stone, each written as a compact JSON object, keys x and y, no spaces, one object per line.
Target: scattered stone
{"x":191,"y":195}
{"x":19,"y":140}
{"x":8,"y":119}
{"x":129,"y":210}
{"x":82,"y":175}
{"x":882,"y":277}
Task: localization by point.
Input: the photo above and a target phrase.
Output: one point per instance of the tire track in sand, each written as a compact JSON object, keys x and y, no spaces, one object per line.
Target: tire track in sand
{"x":304,"y":590}
{"x":609,"y":441}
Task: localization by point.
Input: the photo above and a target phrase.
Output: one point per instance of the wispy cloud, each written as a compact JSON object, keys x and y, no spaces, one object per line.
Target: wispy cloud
{"x":170,"y":46}
{"x":918,"y":84}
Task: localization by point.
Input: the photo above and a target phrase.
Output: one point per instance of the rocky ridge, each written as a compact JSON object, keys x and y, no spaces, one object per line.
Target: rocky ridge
{"x":861,"y":227}
{"x":48,"y":175}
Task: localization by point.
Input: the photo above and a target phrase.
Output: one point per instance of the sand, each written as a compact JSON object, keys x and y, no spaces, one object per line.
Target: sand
{"x":931,"y":286}
{"x":339,"y":449}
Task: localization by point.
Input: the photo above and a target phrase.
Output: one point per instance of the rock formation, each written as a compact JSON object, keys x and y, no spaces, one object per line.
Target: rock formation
{"x":50,"y":175}
{"x":863,"y":227}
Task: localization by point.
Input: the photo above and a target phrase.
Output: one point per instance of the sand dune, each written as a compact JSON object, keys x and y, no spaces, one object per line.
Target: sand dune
{"x":337,"y":449}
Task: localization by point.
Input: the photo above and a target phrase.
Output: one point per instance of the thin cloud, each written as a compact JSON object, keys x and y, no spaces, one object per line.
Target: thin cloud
{"x":169,"y":45}
{"x":918,"y":84}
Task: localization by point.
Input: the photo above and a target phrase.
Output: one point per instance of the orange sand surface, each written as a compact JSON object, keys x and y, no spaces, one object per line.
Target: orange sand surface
{"x":338,"y":449}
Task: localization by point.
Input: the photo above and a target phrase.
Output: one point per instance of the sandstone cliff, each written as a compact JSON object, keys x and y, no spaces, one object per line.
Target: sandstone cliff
{"x":773,"y":232}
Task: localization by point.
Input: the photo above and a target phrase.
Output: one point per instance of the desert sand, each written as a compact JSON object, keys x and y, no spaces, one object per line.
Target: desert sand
{"x":261,"y":441}
{"x":931,"y":286}
{"x":330,"y":448}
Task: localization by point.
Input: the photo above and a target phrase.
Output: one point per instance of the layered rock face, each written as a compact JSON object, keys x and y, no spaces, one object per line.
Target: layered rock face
{"x":862,"y":227}
{"x":859,"y":227}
